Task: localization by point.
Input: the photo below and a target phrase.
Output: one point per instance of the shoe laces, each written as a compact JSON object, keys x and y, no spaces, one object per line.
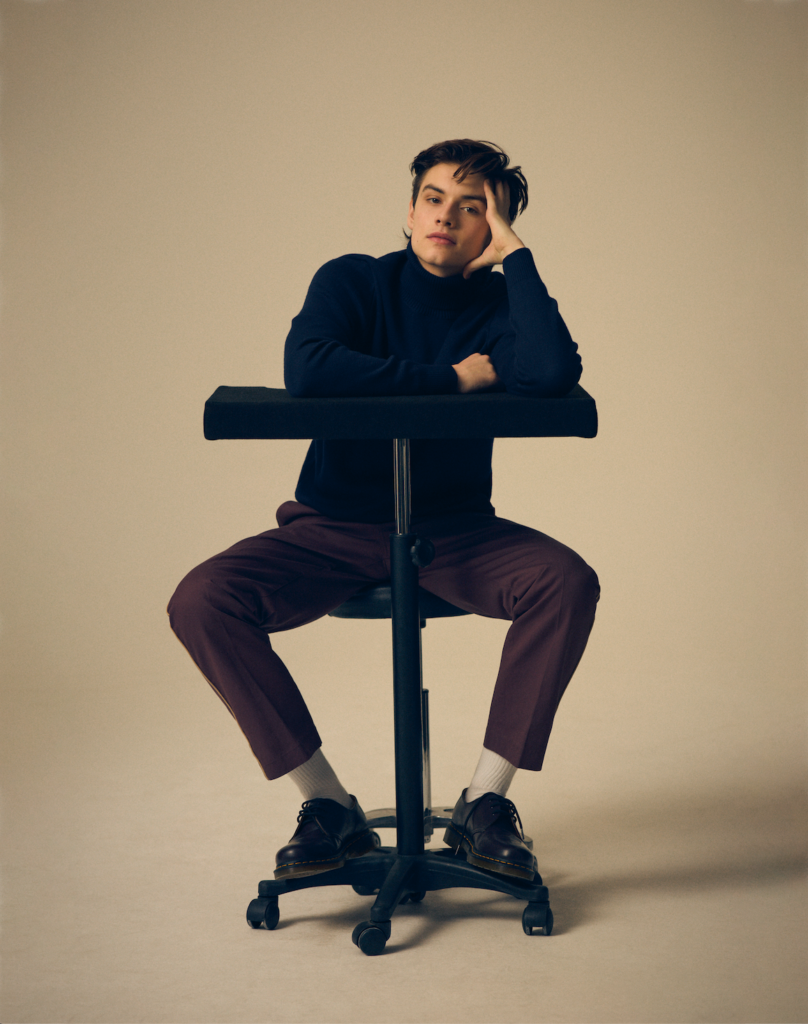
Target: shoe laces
{"x":311,"y":808}
{"x":502,"y":805}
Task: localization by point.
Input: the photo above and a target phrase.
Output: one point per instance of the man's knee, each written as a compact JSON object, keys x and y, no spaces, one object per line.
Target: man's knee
{"x":582,"y":586}
{"x":578,"y":581}
{"x":566,"y":578}
{"x":195,"y":599}
{"x":586,"y":578}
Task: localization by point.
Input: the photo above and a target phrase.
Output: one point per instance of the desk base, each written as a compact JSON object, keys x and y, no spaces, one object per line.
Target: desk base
{"x":396,"y":879}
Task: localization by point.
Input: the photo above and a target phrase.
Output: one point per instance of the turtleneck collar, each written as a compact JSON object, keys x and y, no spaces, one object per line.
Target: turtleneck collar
{"x":428,"y":291}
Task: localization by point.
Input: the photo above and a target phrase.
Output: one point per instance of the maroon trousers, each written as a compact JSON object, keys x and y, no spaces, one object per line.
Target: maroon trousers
{"x":226,"y":608}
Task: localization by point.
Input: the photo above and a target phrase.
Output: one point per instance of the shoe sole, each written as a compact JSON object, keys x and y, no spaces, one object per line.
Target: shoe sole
{"x":364,"y":842}
{"x":458,"y":841}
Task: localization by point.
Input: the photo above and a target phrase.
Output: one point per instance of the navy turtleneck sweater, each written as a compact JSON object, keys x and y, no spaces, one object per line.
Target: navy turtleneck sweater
{"x":386,"y":326}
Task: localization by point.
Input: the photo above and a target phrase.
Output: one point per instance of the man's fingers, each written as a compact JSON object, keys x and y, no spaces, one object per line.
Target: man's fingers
{"x":475,"y":372}
{"x":499,"y":198}
{"x":490,"y":199}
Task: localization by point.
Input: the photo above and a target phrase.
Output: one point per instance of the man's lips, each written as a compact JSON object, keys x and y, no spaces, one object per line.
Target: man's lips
{"x":444,"y":239}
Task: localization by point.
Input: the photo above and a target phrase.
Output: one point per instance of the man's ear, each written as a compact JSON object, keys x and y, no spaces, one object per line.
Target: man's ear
{"x":409,"y":215}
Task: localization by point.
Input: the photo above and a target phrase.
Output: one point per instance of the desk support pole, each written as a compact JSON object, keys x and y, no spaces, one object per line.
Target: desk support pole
{"x":407,"y":695}
{"x":406,"y":666}
{"x":401,"y":469}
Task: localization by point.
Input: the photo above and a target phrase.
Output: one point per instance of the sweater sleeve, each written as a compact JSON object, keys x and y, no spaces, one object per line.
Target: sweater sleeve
{"x":530,"y":346}
{"x":328,"y":350}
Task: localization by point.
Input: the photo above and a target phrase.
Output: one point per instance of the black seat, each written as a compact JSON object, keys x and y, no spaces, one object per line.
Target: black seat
{"x":375,"y":602}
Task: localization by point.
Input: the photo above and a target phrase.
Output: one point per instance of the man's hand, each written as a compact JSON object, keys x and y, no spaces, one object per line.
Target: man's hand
{"x":474,"y":373}
{"x":504,"y":240}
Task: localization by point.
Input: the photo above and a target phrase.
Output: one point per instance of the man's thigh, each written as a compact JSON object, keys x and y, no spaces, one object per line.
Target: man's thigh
{"x":484,"y":564}
{"x":295,"y":573}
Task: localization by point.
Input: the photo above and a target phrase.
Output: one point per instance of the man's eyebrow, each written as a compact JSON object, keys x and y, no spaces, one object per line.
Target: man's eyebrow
{"x":480,"y":199}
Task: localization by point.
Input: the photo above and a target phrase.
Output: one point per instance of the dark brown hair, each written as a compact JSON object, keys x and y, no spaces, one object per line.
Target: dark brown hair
{"x":474,"y":157}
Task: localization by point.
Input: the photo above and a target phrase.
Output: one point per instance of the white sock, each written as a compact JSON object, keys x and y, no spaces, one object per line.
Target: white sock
{"x":493,"y":775}
{"x":316,"y":777}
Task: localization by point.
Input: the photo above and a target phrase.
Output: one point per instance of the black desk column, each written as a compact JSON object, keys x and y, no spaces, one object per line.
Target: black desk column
{"x":406,"y":664}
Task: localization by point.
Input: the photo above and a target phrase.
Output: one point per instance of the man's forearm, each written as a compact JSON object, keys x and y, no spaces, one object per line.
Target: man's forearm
{"x":544,"y":359}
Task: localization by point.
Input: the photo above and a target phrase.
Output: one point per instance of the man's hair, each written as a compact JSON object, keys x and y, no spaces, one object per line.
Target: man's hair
{"x":474,"y":157}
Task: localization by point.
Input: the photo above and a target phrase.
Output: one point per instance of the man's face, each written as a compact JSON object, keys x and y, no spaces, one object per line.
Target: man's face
{"x":447,"y":221}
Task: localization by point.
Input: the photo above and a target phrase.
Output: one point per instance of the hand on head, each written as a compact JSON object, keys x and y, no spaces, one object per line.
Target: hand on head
{"x":503,"y":239}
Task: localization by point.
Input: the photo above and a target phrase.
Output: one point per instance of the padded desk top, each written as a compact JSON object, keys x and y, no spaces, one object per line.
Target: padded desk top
{"x":273,"y":413}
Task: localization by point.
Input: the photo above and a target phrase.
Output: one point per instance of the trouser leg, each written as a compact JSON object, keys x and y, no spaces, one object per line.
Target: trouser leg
{"x":225,"y":608}
{"x":500,"y":569}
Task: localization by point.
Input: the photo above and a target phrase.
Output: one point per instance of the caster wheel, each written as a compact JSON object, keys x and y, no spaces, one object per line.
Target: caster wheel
{"x":537,"y":919}
{"x":263,"y":912}
{"x":416,"y":897}
{"x":364,"y":890}
{"x":371,"y":938}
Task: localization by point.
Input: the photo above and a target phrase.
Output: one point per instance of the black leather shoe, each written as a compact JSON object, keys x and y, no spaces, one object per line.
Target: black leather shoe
{"x":327,"y":835}
{"x":485,"y":830}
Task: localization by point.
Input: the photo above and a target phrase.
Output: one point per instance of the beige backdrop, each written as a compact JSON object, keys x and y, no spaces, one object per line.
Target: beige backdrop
{"x":173,"y":173}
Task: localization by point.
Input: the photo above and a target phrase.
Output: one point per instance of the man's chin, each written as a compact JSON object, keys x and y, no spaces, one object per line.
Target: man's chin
{"x":443,"y":264}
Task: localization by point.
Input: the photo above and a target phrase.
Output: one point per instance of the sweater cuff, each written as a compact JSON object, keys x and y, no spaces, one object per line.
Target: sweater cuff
{"x":441,"y":380}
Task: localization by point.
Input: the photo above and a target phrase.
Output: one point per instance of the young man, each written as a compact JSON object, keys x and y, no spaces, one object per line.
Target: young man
{"x":430,"y":319}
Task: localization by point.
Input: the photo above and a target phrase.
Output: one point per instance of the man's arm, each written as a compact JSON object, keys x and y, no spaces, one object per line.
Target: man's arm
{"x":531,"y":350}
{"x":530,"y":346}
